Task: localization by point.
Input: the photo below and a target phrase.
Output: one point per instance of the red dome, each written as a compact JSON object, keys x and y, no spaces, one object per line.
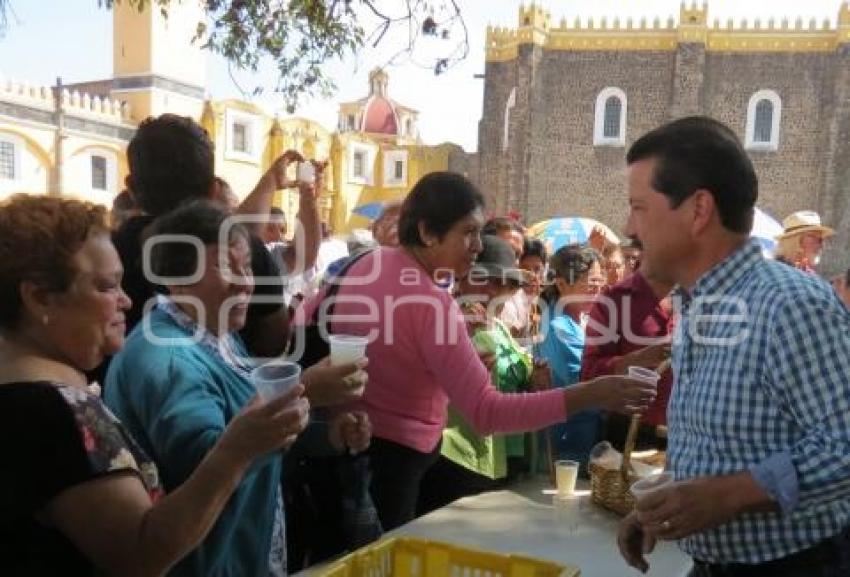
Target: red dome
{"x":380,"y":116}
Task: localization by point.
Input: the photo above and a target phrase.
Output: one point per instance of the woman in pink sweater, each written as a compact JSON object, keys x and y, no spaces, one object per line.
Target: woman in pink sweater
{"x":420,"y":356}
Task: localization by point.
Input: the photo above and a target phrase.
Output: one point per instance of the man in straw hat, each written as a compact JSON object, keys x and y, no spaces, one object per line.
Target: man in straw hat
{"x":801,"y":241}
{"x":759,"y":416}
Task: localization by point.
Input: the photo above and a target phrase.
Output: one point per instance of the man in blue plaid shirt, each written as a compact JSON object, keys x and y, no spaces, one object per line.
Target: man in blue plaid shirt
{"x":759,"y":418}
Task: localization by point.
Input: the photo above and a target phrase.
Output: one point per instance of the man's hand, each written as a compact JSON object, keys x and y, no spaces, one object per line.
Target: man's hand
{"x":276,"y":174}
{"x":313,"y":190}
{"x":648,"y":357}
{"x":634,"y":542}
{"x":695,"y":505}
{"x":328,"y":385}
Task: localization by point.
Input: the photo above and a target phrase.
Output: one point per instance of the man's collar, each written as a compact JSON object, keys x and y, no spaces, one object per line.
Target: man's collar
{"x":726,"y":273}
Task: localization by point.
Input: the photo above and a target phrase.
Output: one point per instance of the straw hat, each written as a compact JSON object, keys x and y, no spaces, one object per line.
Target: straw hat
{"x":803,"y":221}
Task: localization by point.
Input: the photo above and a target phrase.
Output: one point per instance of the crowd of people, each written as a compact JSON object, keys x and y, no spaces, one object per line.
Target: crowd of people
{"x":491,"y":355}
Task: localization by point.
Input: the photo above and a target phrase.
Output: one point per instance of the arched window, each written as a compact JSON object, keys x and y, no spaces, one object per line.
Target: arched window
{"x":764,"y":121}
{"x":613,"y":106}
{"x":764,"y":114}
{"x":609,"y":128}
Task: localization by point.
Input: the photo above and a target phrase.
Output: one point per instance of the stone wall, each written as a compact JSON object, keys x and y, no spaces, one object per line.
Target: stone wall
{"x":552,"y":168}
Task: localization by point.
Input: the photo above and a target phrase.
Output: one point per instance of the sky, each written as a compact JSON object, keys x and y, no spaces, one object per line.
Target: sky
{"x":80,"y":48}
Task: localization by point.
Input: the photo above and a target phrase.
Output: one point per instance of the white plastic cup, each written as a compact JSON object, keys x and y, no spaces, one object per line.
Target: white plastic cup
{"x":644,"y":374}
{"x":306,"y":172}
{"x":566,"y":473}
{"x":648,"y":485}
{"x":347,"y":348}
{"x":275,"y":378}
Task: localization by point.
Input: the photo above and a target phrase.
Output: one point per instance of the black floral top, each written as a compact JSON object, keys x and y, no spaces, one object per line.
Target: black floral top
{"x":53,"y":437}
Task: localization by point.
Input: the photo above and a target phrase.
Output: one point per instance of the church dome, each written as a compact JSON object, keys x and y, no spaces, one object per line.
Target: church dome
{"x":380,"y":116}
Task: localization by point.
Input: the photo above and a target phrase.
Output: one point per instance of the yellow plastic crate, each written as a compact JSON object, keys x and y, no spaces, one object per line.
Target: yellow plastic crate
{"x":410,"y":557}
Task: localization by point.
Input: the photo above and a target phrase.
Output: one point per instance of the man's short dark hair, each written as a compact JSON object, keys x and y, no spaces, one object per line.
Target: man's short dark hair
{"x":171,"y":160}
{"x":439,"y":200}
{"x":699,"y":152}
{"x":500,"y":224}
{"x":532,"y":247}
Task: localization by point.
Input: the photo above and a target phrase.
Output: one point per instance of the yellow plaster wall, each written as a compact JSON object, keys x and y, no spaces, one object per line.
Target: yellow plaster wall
{"x":132,"y":31}
{"x":534,"y":27}
{"x":36,"y":159}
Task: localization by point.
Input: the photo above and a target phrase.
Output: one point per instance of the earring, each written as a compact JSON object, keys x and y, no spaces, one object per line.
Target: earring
{"x":45,"y":320}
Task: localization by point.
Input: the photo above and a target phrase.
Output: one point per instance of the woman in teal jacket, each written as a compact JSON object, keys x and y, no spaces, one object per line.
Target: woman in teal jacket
{"x":184,"y":374}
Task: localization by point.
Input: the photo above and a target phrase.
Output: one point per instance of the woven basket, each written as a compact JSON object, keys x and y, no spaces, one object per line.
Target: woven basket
{"x":609,"y":488}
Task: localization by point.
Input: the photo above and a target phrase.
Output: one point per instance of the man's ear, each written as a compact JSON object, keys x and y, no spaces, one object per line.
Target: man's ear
{"x":704,"y":210}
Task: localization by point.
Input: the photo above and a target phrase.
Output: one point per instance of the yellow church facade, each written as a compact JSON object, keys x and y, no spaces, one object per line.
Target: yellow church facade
{"x":71,"y":140}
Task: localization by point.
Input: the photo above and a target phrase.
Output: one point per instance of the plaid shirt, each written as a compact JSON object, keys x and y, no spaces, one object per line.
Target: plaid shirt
{"x":774,"y":401}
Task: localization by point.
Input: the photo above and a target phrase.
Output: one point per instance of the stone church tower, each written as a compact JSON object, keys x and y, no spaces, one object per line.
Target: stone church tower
{"x":563,"y":103}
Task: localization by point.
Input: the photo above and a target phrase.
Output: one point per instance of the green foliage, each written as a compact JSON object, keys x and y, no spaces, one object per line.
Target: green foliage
{"x":300,"y":36}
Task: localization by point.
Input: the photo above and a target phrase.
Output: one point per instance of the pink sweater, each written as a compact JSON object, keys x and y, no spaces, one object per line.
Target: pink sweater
{"x":420,"y":357}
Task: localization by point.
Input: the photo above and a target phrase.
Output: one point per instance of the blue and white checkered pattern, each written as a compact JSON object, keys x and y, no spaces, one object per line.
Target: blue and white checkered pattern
{"x":762,"y":365}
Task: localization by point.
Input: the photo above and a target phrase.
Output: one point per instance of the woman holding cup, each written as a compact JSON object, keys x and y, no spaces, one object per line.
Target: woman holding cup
{"x":185,"y":374}
{"x":421,"y":356}
{"x":82,"y":496}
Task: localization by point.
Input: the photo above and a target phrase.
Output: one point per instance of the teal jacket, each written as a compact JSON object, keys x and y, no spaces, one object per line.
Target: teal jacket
{"x":176,"y":399}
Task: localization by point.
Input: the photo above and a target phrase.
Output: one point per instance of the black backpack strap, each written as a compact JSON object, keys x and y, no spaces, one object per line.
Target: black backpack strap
{"x":336,"y":281}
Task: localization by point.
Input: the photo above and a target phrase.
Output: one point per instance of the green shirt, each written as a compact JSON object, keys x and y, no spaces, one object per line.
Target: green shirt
{"x":487,"y":455}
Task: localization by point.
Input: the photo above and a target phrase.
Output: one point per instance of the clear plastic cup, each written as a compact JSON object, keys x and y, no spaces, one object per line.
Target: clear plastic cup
{"x":644,"y":374}
{"x":566,"y":473}
{"x":647,"y":485}
{"x":275,"y":378}
{"x":306,"y":172}
{"x":347,"y":348}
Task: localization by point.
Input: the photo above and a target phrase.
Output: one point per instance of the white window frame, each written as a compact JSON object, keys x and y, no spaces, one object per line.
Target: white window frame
{"x":18,"y":145}
{"x":252,"y":123}
{"x":599,"y":138}
{"x":776,"y":121}
{"x":369,"y":153}
{"x":111,"y":169}
{"x":390,"y":159}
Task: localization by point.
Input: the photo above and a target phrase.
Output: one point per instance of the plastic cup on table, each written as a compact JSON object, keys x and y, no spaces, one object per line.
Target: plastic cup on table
{"x":347,"y":348}
{"x":643,"y":487}
{"x":566,"y":473}
{"x":275,"y":378}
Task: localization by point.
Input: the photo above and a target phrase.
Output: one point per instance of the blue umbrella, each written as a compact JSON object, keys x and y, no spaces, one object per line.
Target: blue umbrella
{"x":558,"y":232}
{"x":371,"y":210}
{"x":766,"y":229}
